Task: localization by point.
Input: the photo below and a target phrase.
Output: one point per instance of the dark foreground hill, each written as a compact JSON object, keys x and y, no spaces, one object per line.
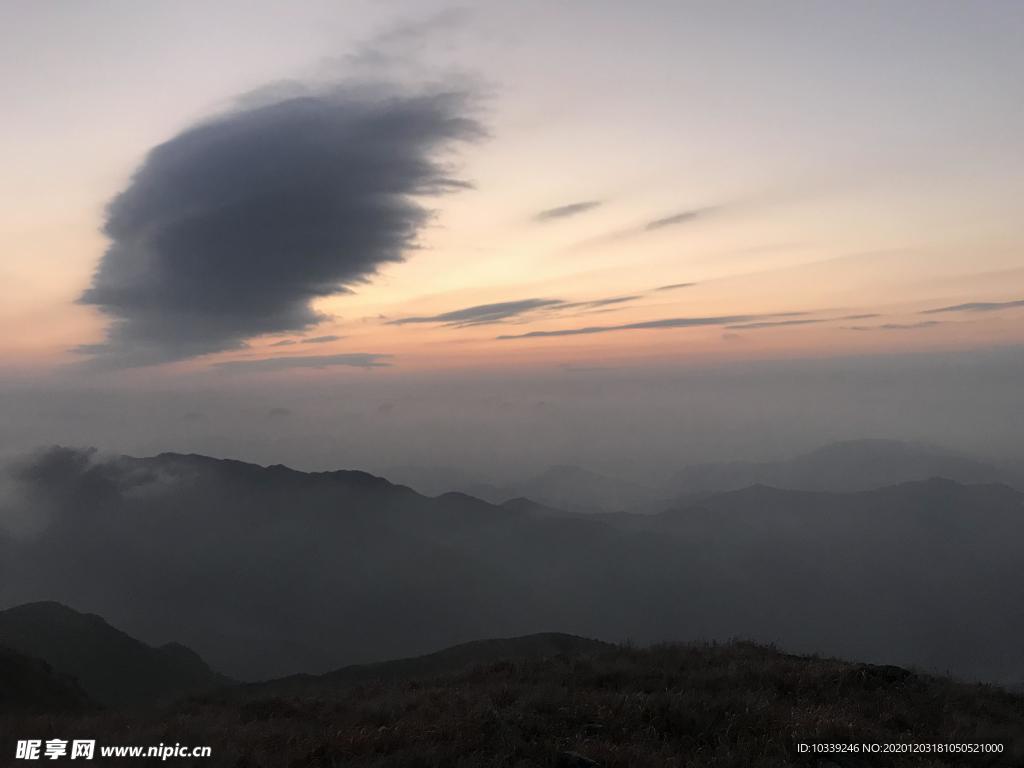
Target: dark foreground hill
{"x":732,"y":706}
{"x":112,"y":668}
{"x":31,"y":686}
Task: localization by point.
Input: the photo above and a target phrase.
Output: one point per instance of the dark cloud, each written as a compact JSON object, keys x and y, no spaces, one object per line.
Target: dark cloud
{"x":868,"y":316}
{"x":771,"y":324}
{"x":283,"y":343}
{"x":977,"y":306}
{"x":233,"y":227}
{"x":672,"y":322}
{"x":279,"y":413}
{"x":565,"y":211}
{"x":685,"y":217}
{"x":894,"y":326}
{"x":353,"y":359}
{"x":483,"y":314}
{"x":322,"y":339}
{"x":674,"y":286}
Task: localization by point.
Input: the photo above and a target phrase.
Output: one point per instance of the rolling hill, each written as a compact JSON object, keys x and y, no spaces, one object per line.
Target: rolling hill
{"x":112,"y":668}
{"x":573,"y":703}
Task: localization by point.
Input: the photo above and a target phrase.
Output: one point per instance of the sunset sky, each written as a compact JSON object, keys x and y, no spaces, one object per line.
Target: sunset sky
{"x":643,"y":183}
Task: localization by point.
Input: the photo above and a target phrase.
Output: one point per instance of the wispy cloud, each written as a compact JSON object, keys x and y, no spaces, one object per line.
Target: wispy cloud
{"x":977,"y":306}
{"x":482,"y":314}
{"x":674,"y":220}
{"x":403,"y":44}
{"x":772,"y":324}
{"x":684,"y":217}
{"x":354,"y":359}
{"x":894,"y":326}
{"x":672,"y":322}
{"x":599,"y":302}
{"x":487,"y":314}
{"x":673,"y":287}
{"x":565,"y":211}
{"x":322,"y":339}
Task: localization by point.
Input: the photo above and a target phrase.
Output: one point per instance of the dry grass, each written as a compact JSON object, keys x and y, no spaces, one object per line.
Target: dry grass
{"x":730,"y":705}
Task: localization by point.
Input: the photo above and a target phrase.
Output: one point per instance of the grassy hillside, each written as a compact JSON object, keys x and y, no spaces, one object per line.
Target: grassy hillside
{"x":431,"y":665}
{"x":729,"y":705}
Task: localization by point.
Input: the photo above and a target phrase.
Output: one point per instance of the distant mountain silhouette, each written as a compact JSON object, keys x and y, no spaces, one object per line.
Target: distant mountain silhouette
{"x":435,"y":480}
{"x":113,"y":668}
{"x":268,"y":571}
{"x":575,"y":489}
{"x":30,"y":686}
{"x":524,"y":506}
{"x":565,"y":487}
{"x":853,"y":465}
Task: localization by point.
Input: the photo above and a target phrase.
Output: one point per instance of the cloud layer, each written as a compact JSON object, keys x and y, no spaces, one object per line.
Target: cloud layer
{"x":232,"y":228}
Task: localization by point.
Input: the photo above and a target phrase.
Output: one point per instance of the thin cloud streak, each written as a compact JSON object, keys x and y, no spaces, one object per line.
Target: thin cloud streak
{"x":565,"y":211}
{"x":685,"y":217}
{"x":977,"y":306}
{"x":599,"y":302}
{"x":672,"y":322}
{"x":672,"y":287}
{"x":772,"y":324}
{"x":352,"y":359}
{"x":489,"y":314}
{"x":482,"y":314}
{"x":676,"y":219}
{"x":895,"y":326}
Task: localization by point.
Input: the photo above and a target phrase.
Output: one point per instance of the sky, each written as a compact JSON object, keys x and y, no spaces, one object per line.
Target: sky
{"x":287,"y":198}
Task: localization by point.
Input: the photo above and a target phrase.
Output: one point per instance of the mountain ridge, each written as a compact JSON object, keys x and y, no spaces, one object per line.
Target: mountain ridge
{"x":284,"y":564}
